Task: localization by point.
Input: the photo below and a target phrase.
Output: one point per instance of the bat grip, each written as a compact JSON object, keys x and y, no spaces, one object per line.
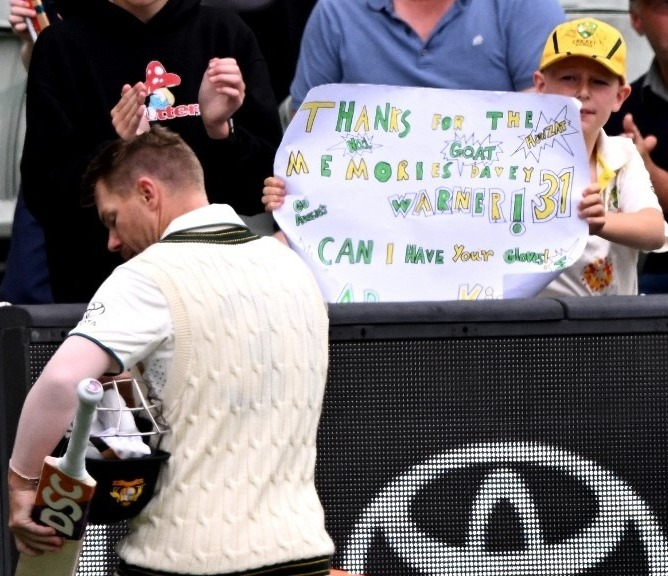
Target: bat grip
{"x":73,"y":463}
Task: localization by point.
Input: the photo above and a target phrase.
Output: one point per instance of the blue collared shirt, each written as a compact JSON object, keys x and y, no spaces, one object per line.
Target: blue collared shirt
{"x":477,"y":45}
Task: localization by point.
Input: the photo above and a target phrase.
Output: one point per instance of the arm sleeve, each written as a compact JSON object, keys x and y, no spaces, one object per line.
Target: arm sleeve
{"x":128,"y":317}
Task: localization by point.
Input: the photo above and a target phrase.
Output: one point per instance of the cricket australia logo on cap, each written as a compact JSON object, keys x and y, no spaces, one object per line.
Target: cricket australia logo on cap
{"x":587,"y":29}
{"x":565,"y":531}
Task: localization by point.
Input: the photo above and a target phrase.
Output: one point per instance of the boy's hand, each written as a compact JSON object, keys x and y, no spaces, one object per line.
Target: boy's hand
{"x":221,"y":94}
{"x":273,"y":193}
{"x":591,"y":208}
{"x":129,"y":116}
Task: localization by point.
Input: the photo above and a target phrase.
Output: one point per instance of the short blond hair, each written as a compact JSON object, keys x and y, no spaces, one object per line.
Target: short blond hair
{"x":159,"y":153}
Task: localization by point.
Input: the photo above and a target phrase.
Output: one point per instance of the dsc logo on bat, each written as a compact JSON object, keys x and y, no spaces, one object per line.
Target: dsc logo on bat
{"x":62,"y":502}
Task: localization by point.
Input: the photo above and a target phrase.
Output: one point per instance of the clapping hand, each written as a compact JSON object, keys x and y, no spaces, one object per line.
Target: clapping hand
{"x":221,"y":94}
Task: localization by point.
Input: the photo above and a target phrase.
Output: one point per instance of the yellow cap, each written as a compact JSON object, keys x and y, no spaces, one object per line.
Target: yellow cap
{"x":589,"y":38}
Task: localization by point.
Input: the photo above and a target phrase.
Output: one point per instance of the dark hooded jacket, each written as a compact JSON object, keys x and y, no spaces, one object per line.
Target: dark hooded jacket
{"x":78,"y":68}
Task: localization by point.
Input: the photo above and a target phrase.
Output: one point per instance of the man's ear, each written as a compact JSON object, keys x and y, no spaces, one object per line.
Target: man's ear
{"x":149,"y":191}
{"x":636,"y":21}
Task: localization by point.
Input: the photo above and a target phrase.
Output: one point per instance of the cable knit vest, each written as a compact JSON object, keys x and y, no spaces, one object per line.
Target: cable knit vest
{"x":242,"y":399}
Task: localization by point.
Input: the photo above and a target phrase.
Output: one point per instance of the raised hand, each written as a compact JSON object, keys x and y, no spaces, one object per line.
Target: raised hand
{"x":19,"y":10}
{"x":644,"y":145}
{"x":129,"y":116}
{"x":221,"y":94}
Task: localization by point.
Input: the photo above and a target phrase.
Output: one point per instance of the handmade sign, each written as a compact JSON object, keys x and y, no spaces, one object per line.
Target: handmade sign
{"x":405,"y":194}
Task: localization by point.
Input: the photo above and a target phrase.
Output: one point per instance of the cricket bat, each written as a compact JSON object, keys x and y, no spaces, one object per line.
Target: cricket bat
{"x":64,"y":493}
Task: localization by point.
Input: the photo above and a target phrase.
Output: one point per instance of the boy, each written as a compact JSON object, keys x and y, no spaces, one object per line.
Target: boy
{"x":586,"y":59}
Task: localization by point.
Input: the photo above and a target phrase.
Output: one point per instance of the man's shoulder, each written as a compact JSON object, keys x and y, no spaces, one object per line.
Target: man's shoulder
{"x":548,"y":12}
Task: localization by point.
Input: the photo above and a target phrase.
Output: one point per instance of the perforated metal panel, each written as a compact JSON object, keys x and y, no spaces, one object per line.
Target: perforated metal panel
{"x":39,"y":356}
{"x":98,"y":557}
{"x":521,"y":455}
{"x":469,"y":438}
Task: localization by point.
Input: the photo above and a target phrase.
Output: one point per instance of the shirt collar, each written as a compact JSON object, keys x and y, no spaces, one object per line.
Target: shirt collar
{"x":215,"y":215}
{"x":379,"y":5}
{"x":654,"y":81}
{"x":387,"y":5}
{"x":614,"y":156}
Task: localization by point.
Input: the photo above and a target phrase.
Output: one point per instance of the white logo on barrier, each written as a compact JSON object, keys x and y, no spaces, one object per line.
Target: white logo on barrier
{"x":618,"y":507}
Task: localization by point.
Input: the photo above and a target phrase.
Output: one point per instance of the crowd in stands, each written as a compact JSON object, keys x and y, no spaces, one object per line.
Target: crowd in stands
{"x":151,"y":130}
{"x":71,"y":96}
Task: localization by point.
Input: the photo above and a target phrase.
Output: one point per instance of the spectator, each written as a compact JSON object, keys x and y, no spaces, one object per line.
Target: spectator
{"x":78,"y":70}
{"x":26,"y":276}
{"x":458,"y":44}
{"x":455,"y":44}
{"x":644,"y":117}
{"x":621,"y":223}
{"x":239,"y":364}
{"x":586,"y":59}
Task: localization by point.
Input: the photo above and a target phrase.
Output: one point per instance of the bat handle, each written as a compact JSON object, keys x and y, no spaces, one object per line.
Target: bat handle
{"x":73,"y":462}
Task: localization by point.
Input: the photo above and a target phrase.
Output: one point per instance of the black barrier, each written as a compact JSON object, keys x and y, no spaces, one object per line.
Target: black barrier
{"x":487,"y":438}
{"x":29,"y":335}
{"x":502,"y":438}
{"x":14,"y":371}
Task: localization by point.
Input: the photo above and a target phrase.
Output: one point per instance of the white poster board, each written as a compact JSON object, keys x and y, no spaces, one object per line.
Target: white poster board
{"x":407,"y":194}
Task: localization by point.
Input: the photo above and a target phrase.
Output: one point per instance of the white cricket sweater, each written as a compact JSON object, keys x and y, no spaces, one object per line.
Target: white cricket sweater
{"x":242,"y":399}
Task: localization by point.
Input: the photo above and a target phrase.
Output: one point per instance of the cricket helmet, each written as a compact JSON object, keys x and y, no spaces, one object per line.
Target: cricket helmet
{"x":123,"y":453}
